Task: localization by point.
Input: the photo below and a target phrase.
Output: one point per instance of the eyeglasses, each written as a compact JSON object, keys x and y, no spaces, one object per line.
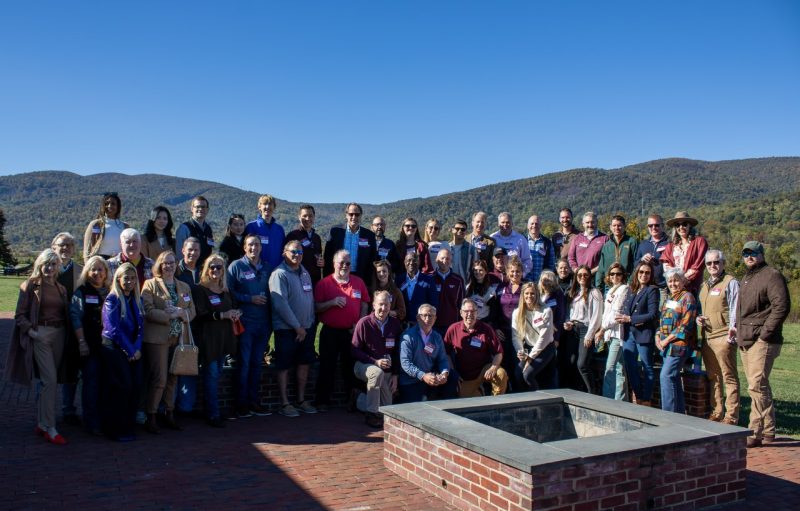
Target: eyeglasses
{"x":379,"y":225}
{"x":426,"y":315}
{"x":410,"y":226}
{"x":653,"y":226}
{"x":344,"y":263}
{"x":644,"y":272}
{"x":468,"y":312}
{"x":615,"y":274}
{"x":750,"y":253}
{"x":353,"y":214}
{"x":712,"y":263}
{"x":295,"y":252}
{"x":215,"y":267}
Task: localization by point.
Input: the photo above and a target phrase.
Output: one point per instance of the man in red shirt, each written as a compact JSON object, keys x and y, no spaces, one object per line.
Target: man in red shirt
{"x":476,"y":353}
{"x":340,"y":301}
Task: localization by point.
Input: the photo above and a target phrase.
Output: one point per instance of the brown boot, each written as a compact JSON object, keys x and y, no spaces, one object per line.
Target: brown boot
{"x":150,"y":425}
{"x":169,"y":420}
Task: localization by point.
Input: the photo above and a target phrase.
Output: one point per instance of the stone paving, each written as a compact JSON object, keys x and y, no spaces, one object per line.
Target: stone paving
{"x":322,"y":461}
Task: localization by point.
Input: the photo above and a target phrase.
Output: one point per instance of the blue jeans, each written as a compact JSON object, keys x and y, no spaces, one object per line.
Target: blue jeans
{"x":186,"y":393}
{"x":413,"y":392}
{"x":671,"y":384}
{"x":614,"y":376}
{"x":639,"y":366}
{"x":211,"y":373}
{"x":90,"y":375}
{"x":252,"y":344}
{"x":68,"y":391}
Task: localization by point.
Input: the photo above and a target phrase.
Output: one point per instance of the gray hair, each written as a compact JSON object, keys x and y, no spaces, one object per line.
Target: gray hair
{"x":505,"y":213}
{"x":675,"y":272}
{"x":384,"y":294}
{"x":341,"y":253}
{"x":591,"y":214}
{"x":46,"y":256}
{"x":65,"y":235}
{"x":426,"y":306}
{"x":192,"y":239}
{"x":717,"y":252}
{"x":129,"y":233}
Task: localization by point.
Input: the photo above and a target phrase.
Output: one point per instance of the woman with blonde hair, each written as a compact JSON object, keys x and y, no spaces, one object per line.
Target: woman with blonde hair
{"x":168,"y":307}
{"x":40,"y":330}
{"x":85,"y":313}
{"x":216,"y":316}
{"x":532,"y":336}
{"x":433,"y":229}
{"x":121,"y":345}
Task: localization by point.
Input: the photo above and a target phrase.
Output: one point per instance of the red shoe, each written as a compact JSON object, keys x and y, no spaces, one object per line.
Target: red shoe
{"x":58,"y":439}
{"x":39,"y":431}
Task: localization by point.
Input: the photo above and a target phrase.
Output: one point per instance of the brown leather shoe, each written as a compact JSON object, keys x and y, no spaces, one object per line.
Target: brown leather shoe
{"x":169,"y":421}
{"x":715,"y":418}
{"x":730,"y":420}
{"x":753,"y":442}
{"x":150,"y":425}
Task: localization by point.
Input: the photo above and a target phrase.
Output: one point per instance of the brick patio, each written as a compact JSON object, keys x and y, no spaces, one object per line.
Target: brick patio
{"x":322,"y":461}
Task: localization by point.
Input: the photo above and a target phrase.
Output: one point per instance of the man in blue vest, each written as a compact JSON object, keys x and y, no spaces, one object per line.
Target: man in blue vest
{"x":197,"y":228}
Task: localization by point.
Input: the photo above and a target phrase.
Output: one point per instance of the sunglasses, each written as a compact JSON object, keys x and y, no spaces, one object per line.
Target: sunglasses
{"x":644,"y":272}
{"x":345,"y":264}
{"x":712,"y":263}
{"x":215,"y":267}
{"x":460,"y":229}
{"x":750,"y":253}
{"x":615,"y":274}
{"x":682,"y":224}
{"x":653,"y":226}
{"x":295,"y":252}
{"x":583,"y":275}
{"x":410,"y":226}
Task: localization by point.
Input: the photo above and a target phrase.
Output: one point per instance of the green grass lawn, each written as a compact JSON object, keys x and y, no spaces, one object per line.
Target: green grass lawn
{"x":785,"y":377}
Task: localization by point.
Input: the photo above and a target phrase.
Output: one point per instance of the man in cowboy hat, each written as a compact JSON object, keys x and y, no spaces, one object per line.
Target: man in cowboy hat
{"x":687,"y":250}
{"x":763,"y":306}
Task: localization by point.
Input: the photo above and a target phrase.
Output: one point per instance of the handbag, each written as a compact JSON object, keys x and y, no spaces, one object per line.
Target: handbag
{"x":238,"y":327}
{"x":184,"y":358}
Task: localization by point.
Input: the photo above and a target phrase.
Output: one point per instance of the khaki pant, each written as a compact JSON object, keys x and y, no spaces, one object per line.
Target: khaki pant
{"x":758,"y":360}
{"x":474,"y":388}
{"x":47,"y":351}
{"x":719,"y":358}
{"x":379,"y":392}
{"x":160,"y":384}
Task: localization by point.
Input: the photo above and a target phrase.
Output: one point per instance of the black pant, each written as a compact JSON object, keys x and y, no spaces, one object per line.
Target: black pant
{"x":119,"y":392}
{"x":568,"y":376}
{"x":334,"y":345}
{"x":585,"y":356}
{"x":542,"y":366}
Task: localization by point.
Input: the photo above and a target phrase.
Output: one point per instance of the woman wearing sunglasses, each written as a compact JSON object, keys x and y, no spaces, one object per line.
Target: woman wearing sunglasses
{"x":585,"y":312}
{"x":686,"y":251}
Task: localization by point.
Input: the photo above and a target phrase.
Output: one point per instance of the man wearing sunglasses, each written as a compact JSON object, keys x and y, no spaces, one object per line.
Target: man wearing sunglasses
{"x":292,"y":298}
{"x":650,"y":250}
{"x":763,"y":307}
{"x":358,"y":241}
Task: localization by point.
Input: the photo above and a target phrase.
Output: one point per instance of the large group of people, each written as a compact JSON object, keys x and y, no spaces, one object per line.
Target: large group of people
{"x":424,"y":316}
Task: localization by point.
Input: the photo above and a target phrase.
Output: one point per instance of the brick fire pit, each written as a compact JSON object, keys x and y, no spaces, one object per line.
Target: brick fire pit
{"x":563,"y":449}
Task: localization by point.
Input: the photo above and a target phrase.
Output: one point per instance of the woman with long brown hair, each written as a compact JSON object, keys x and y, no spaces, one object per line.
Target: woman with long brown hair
{"x":102,"y":234}
{"x":409,"y":241}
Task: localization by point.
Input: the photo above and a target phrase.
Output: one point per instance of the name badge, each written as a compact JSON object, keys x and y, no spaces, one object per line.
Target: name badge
{"x":390,"y":342}
{"x":383,"y":252}
{"x":476,"y":342}
{"x":429,"y":348}
{"x":478,"y":301}
{"x":541,"y":251}
{"x":583,"y":245}
{"x":404,"y":286}
{"x":363,"y":242}
{"x":512,"y":253}
{"x":715,"y":292}
{"x":538,"y":321}
{"x":357,"y":294}
{"x":264,"y":240}
{"x":480,"y":246}
{"x":95,"y":230}
{"x":214,"y":299}
{"x":551,"y":302}
{"x":187,"y":298}
{"x":306,"y":287}
{"x":92,"y":299}
{"x":438,"y":288}
{"x":660,"y":249}
{"x":306,"y":242}
{"x":148,"y":274}
{"x":672,"y":305}
{"x":210,"y":241}
{"x":411,"y":250}
{"x":249,"y":275}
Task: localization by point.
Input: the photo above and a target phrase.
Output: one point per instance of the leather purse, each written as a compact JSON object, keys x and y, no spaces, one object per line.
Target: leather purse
{"x":184,"y":358}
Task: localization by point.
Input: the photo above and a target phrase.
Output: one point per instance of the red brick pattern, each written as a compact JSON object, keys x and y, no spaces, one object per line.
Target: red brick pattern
{"x":684,"y":476}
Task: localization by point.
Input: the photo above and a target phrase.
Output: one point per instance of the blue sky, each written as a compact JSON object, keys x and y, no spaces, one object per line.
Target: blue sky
{"x":376,"y":101}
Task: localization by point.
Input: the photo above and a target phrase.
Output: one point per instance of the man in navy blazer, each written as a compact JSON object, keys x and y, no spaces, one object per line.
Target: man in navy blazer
{"x":417,"y":287}
{"x":359,"y":241}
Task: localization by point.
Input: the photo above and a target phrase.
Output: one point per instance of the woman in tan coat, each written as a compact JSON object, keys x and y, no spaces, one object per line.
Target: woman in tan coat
{"x":168,"y":307}
{"x":37,"y":344}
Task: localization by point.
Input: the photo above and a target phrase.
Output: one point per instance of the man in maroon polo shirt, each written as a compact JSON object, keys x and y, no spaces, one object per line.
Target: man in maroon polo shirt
{"x":340,"y":301}
{"x":476,"y":353}
{"x":376,"y":348}
{"x":450,"y":288}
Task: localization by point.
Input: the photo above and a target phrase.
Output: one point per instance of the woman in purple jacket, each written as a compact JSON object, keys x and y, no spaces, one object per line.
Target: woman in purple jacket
{"x":121,"y":353}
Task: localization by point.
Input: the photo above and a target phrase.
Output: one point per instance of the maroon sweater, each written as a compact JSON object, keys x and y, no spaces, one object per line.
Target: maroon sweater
{"x":451,"y":292}
{"x":370,"y":344}
{"x":471,"y":350}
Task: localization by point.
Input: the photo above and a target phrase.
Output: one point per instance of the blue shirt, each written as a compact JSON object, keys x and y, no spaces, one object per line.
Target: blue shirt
{"x":351,"y":245}
{"x":272,"y":238}
{"x":543,"y":257}
{"x":246,"y":280}
{"x":656,"y":248}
